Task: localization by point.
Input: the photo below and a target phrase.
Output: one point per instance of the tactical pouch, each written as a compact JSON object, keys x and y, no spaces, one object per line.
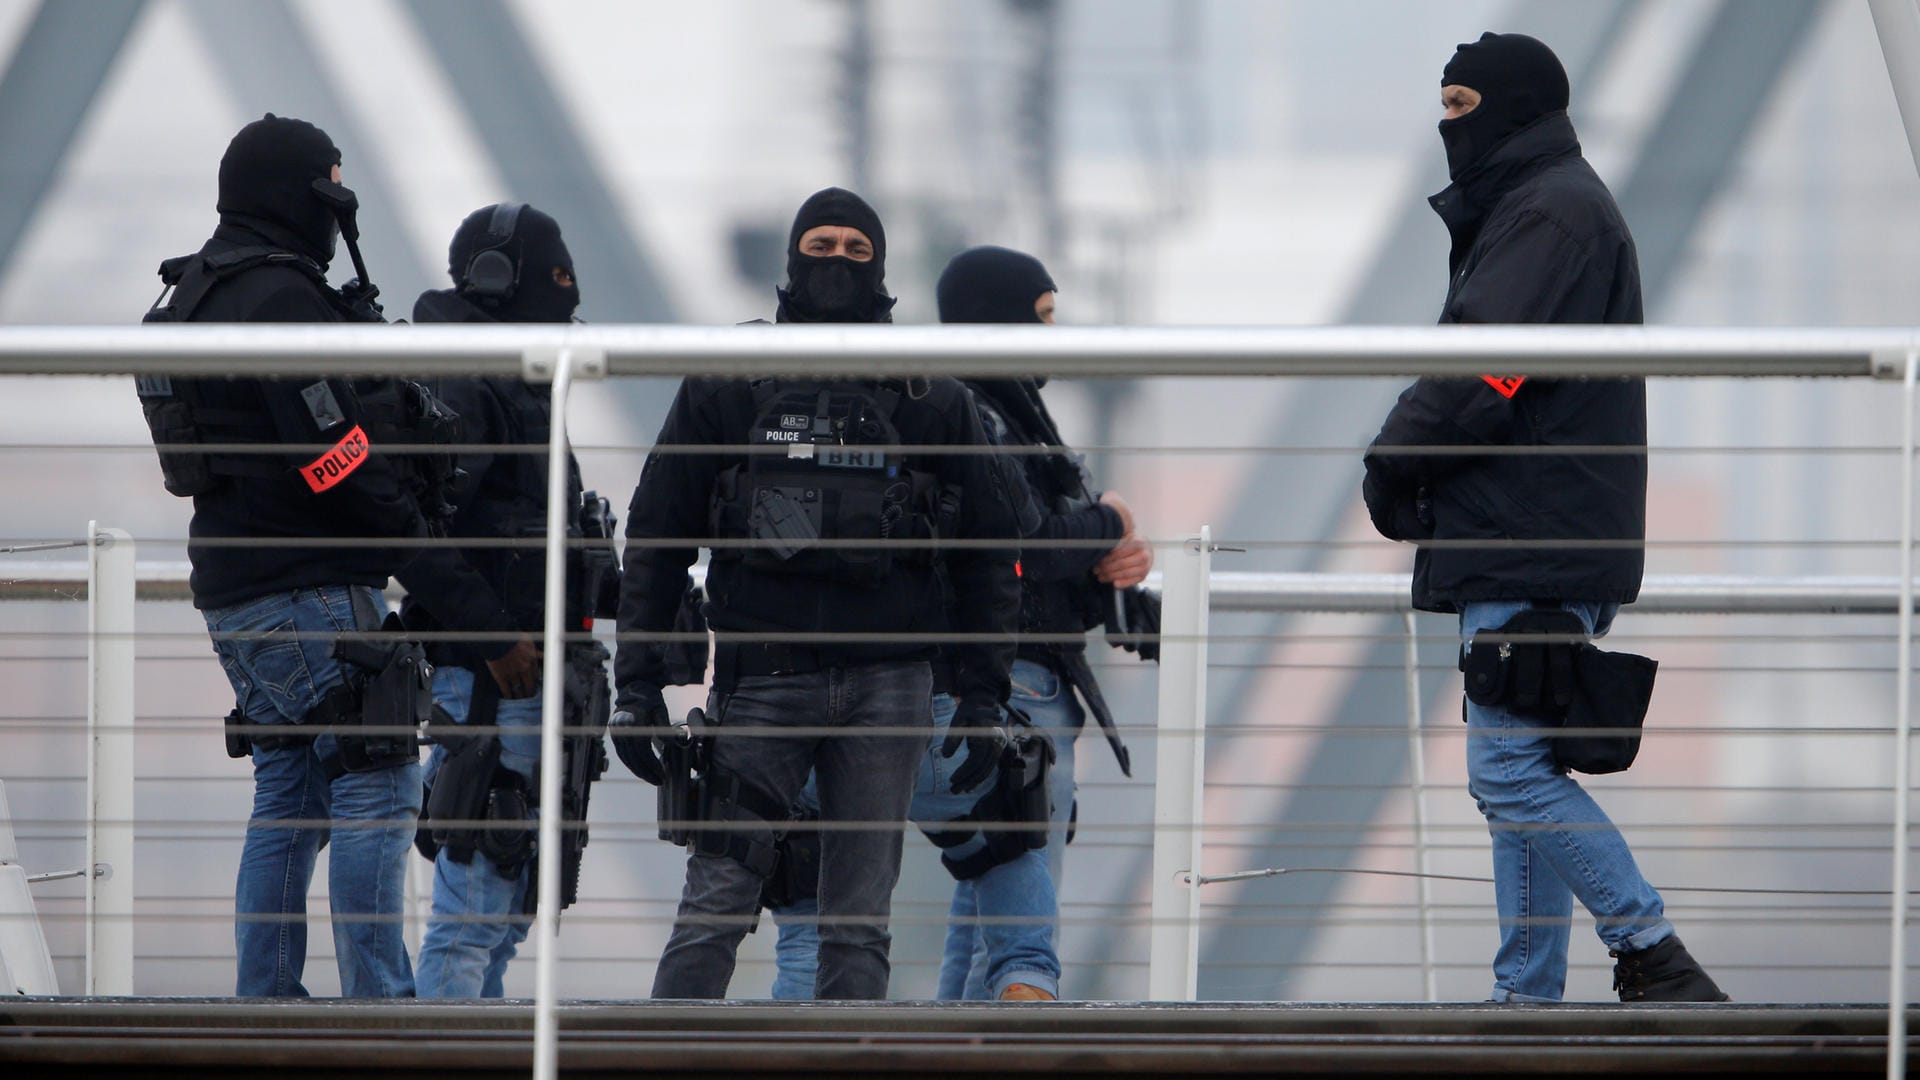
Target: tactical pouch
{"x":395,"y":698}
{"x":239,"y":744}
{"x":461,"y":787}
{"x":506,"y":835}
{"x":170,"y":420}
{"x":1527,"y":663}
{"x":1606,"y":716}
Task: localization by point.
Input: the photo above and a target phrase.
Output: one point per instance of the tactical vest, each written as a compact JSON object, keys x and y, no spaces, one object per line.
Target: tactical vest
{"x":392,"y":411}
{"x":823,"y":475}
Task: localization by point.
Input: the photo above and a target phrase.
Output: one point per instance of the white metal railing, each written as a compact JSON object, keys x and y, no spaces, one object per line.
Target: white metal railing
{"x":564,"y":354}
{"x":1180,"y":787}
{"x":1191,"y":591}
{"x":900,"y":351}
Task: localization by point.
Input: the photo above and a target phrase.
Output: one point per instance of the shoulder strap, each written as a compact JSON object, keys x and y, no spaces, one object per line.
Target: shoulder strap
{"x":194,"y":275}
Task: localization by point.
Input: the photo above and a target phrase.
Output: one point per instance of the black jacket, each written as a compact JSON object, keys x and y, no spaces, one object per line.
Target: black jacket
{"x":314,"y":419}
{"x":1067,"y":529}
{"x":1537,"y":238}
{"x":671,"y":513}
{"x":499,"y":493}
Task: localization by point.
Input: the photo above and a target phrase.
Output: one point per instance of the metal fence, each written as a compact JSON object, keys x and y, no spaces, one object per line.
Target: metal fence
{"x":1192,"y":591}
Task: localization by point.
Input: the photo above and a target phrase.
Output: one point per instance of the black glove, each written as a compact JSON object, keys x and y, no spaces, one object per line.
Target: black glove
{"x":634,"y":728}
{"x":978,"y":724}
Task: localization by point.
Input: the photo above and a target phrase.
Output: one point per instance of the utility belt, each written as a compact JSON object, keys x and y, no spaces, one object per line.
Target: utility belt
{"x":733,"y":661}
{"x":1543,"y":664}
{"x":476,"y":806}
{"x":374,"y":714}
{"x":1016,"y":812}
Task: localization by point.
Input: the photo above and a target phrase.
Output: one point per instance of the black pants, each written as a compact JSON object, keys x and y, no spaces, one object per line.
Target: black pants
{"x":864,"y":778}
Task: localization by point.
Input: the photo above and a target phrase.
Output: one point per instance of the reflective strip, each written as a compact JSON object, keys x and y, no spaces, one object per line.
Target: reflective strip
{"x":1505,"y":385}
{"x":338,"y":463}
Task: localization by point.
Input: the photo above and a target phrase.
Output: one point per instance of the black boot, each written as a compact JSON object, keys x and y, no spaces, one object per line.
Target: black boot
{"x":1663,"y":972}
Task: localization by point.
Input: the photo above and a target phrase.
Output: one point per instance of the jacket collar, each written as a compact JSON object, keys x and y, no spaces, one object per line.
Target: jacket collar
{"x":245,"y":230}
{"x":1464,"y":205}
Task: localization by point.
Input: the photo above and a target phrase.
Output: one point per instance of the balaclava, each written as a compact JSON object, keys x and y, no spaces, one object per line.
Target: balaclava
{"x":535,"y":248}
{"x":1000,"y":285}
{"x":836,"y":288}
{"x":267,"y":175}
{"x":1520,"y":81}
{"x":992,"y":285}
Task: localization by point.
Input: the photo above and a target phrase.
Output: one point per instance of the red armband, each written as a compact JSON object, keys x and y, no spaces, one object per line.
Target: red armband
{"x":1505,"y":385}
{"x":337,"y":463}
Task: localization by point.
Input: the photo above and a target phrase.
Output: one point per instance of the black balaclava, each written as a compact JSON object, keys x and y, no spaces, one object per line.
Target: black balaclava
{"x":267,"y":176}
{"x":1520,"y":81}
{"x":992,"y":285}
{"x":836,"y":288}
{"x":1000,"y":285}
{"x":535,"y":249}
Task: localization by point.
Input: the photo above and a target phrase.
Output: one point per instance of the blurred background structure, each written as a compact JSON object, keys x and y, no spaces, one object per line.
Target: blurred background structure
{"x":1173,"y":162}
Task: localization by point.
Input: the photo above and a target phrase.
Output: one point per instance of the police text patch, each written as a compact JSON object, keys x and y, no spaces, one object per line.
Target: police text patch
{"x":337,"y":463}
{"x":321,"y":403}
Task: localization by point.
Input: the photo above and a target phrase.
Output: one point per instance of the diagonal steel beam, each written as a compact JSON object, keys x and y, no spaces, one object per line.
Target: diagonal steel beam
{"x":1401,"y":285}
{"x":270,"y":65}
{"x":1697,"y":143}
{"x":539,"y":150}
{"x":52,"y":79}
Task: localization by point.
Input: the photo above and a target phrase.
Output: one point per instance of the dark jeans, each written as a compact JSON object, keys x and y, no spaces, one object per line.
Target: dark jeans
{"x":863,"y":778}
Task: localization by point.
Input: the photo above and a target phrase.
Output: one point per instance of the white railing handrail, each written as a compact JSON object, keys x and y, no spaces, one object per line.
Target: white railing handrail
{"x":1240,"y":591}
{"x":1095,"y":352}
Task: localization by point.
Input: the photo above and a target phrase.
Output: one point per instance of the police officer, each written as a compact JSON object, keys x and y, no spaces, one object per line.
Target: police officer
{"x":808,"y":540}
{"x":1083,"y":556}
{"x":509,"y":264}
{"x":1537,"y":238}
{"x":282,"y":567}
{"x":1076,"y":547}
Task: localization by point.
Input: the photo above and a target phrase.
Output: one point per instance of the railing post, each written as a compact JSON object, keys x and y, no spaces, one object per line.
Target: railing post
{"x":562,"y":367}
{"x":1417,"y":782}
{"x":1179,"y":791}
{"x":1902,"y":743}
{"x":109,"y":863}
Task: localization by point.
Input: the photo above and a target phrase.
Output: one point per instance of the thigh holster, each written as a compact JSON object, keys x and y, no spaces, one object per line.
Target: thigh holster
{"x":388,"y":694}
{"x":739,"y":822}
{"x":796,"y":871}
{"x":1013,"y":816}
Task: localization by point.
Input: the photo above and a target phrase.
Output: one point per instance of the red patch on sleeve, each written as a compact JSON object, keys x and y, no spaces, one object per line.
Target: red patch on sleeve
{"x":337,"y":463}
{"x":1505,"y":385}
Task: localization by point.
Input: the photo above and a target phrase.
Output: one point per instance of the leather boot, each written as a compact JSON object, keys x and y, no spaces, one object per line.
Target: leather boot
{"x":1663,"y":972}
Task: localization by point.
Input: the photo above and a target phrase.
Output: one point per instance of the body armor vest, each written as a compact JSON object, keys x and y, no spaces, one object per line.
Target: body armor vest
{"x":824,"y":492}
{"x":393,"y":411}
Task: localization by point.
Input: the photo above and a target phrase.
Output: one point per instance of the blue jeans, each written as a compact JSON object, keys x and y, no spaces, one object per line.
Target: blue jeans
{"x":280,"y":664}
{"x":1015,"y":899}
{"x":1053,"y":707}
{"x":1551,"y":841}
{"x":469,"y":941}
